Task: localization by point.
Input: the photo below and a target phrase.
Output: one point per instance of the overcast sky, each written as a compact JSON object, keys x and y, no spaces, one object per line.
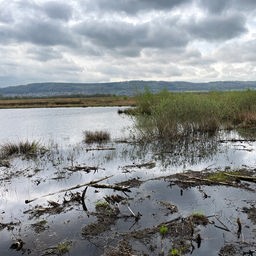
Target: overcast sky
{"x":116,"y":40}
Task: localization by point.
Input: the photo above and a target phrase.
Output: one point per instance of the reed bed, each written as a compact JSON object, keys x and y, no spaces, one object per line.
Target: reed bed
{"x":175,"y":115}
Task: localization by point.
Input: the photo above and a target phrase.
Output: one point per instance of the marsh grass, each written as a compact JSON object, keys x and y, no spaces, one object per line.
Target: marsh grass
{"x":174,"y":115}
{"x":96,"y":137}
{"x":25,"y":148}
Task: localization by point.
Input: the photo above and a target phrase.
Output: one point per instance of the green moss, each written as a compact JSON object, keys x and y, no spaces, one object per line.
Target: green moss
{"x":102,"y":205}
{"x":221,"y":176}
{"x":174,"y":252}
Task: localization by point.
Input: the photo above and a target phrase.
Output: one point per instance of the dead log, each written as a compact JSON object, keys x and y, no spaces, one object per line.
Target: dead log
{"x":205,"y":180}
{"x":242,"y":177}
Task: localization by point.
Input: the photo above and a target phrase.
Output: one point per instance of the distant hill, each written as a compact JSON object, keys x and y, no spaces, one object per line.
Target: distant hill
{"x":128,"y":88}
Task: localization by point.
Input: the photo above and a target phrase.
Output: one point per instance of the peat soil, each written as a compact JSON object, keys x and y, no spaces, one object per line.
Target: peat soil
{"x":72,"y":204}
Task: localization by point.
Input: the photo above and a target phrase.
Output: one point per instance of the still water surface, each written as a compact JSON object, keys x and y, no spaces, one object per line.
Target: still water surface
{"x":62,"y":128}
{"x":62,"y":125}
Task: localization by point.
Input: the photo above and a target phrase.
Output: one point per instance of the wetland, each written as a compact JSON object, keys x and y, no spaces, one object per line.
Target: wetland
{"x":126,"y":195}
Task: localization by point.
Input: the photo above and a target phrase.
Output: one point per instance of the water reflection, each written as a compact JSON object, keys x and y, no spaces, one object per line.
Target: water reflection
{"x":61,"y":131}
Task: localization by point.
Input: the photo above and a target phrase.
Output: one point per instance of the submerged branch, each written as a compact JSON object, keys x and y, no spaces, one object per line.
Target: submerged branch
{"x":69,"y":189}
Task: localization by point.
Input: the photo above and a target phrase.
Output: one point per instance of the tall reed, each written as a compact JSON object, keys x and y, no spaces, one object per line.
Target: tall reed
{"x":174,"y":115}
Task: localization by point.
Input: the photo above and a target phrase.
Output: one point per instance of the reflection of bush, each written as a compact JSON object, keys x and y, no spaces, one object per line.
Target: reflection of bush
{"x":182,"y":151}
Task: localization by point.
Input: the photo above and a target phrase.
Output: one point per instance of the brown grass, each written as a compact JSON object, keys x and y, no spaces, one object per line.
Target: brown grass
{"x":67,"y":102}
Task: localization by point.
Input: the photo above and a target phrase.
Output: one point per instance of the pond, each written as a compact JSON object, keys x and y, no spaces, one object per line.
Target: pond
{"x":60,"y":223}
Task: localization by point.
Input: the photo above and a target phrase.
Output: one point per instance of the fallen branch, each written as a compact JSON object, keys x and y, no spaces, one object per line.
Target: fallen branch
{"x":69,"y":189}
{"x":236,"y":140}
{"x":148,"y":165}
{"x":94,"y":149}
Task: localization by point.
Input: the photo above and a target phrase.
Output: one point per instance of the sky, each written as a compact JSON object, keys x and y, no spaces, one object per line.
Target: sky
{"x":118,"y":40}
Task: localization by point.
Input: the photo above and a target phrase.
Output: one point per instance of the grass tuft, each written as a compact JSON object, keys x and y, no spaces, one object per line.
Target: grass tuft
{"x":96,"y":137}
{"x":25,"y":148}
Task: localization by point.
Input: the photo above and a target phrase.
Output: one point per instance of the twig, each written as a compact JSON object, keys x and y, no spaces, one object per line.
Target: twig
{"x":114,"y":187}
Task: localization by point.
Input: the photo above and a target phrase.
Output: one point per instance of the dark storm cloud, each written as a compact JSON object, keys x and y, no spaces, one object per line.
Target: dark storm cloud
{"x":135,"y":6}
{"x":58,"y":10}
{"x":217,"y":28}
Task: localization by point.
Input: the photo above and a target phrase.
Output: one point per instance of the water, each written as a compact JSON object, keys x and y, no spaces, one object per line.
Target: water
{"x":61,"y":130}
{"x":62,"y":125}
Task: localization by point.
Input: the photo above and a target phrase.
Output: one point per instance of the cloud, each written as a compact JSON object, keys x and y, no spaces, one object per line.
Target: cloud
{"x":58,"y":10}
{"x":216,"y":6}
{"x":134,"y":6}
{"x":129,"y":38}
{"x":105,"y":40}
{"x":238,"y":52}
{"x":37,"y":32}
{"x":215,"y":28}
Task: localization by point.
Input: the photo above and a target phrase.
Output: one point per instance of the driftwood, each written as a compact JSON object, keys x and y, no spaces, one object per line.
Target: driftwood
{"x":69,"y":189}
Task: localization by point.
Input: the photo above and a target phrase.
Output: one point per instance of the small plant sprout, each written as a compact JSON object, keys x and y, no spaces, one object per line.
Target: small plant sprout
{"x":199,"y":218}
{"x":163,"y":230}
{"x":174,"y":252}
{"x":63,"y":247}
